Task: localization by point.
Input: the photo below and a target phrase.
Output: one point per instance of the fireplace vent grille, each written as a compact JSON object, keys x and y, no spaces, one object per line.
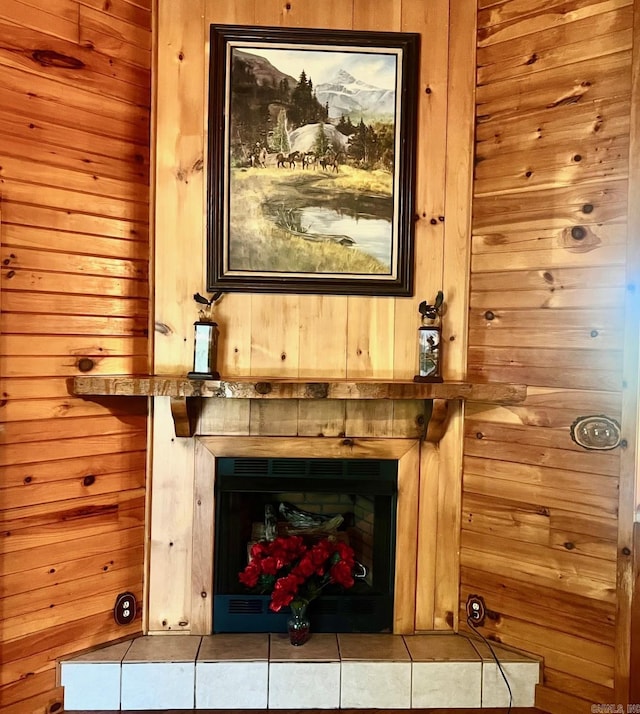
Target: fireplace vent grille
{"x":342,"y":468}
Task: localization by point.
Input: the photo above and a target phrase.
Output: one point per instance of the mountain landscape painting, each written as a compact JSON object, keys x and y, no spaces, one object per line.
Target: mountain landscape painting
{"x":310,"y":165}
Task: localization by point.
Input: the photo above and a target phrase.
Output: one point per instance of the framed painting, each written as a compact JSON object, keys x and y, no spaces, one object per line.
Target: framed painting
{"x":311,"y":161}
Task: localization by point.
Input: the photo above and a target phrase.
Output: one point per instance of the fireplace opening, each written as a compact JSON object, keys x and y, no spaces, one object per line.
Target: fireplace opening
{"x":254,"y":496}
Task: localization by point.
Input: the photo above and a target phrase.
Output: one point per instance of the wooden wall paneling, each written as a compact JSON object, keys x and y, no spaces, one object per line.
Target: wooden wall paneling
{"x":169,"y":607}
{"x":85,"y":67}
{"x":300,"y":14}
{"x":549,"y":248}
{"x":136,"y":13}
{"x":427,"y":537}
{"x":112,"y":251}
{"x":79,"y":152}
{"x":544,"y":208}
{"x":43,"y":19}
{"x":112,"y":36}
{"x":457,"y":215}
{"x":203,"y":539}
{"x":566,"y":124}
{"x":634,"y":683}
{"x":627,"y":645}
{"x":75,"y":196}
{"x":275,"y":319}
{"x":179,"y":181}
{"x":224,"y":416}
{"x":323,"y":319}
{"x":234,"y":310}
{"x":558,"y":46}
{"x":404,"y":590}
{"x":178,"y":220}
{"x":594,"y":245}
{"x":371,"y":320}
{"x":514,"y":19}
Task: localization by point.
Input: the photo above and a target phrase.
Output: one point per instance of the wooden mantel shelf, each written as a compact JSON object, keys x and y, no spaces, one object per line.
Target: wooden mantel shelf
{"x":186,"y":393}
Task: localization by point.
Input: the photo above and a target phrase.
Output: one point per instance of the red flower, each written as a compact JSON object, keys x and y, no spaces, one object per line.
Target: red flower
{"x":341,"y":573}
{"x":250,"y":574}
{"x":291,"y":568}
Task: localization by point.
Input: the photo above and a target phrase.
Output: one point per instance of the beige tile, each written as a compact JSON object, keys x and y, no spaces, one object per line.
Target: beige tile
{"x":446,"y":685}
{"x":304,"y":685}
{"x":164,"y":648}
{"x":372,"y":648}
{"x":111,"y":653}
{"x":90,"y":685}
{"x":157,"y":685}
{"x":375,"y":685}
{"x":441,"y":648}
{"x":232,"y":685}
{"x":234,"y":647}
{"x":522,"y":678}
{"x":319,"y":648}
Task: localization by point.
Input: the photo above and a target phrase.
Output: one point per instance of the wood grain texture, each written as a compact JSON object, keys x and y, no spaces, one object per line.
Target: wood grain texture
{"x":74,"y":125}
{"x":268,"y":389}
{"x":541,"y":515}
{"x":627,"y":626}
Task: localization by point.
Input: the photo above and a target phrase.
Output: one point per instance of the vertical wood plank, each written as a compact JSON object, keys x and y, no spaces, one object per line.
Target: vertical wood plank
{"x":404,"y":605}
{"x":233,"y":312}
{"x":179,"y":187}
{"x":629,"y":484}
{"x":171,"y":526}
{"x":179,"y":182}
{"x":431,"y":167}
{"x":321,"y":419}
{"x":459,"y":175}
{"x":203,"y":542}
{"x":634,"y":690}
{"x":427,"y":536}
{"x":430,"y":175}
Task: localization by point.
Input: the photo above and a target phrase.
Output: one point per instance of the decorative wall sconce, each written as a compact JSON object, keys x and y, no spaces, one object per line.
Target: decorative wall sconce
{"x":596,"y":432}
{"x":205,"y":344}
{"x":429,"y":336}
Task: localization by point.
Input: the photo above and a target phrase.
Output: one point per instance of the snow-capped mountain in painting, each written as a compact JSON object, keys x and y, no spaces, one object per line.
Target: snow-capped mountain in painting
{"x":354,"y":98}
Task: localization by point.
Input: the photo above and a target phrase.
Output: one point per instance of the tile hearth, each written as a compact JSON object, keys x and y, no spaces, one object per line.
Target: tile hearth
{"x":260,"y":671}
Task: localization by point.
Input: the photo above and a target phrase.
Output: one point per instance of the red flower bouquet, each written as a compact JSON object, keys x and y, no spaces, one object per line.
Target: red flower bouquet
{"x":292,"y":569}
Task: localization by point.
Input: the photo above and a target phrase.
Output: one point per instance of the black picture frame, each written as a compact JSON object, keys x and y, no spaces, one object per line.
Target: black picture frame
{"x":310,"y":185}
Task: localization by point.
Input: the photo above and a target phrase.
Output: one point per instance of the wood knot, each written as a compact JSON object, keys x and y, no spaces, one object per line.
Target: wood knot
{"x":89,"y":480}
{"x":50,"y":58}
{"x":86,"y":364}
{"x":162,"y":328}
{"x":317,"y":390}
{"x":263,"y":387}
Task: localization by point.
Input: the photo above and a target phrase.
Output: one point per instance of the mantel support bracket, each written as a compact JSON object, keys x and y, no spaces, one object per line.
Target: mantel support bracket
{"x":436,"y":416}
{"x":185,"y":412}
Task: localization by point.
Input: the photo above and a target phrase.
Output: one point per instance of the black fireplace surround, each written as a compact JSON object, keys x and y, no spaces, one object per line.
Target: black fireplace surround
{"x":366,"y":490}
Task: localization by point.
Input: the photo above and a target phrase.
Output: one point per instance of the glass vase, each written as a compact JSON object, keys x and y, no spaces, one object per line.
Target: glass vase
{"x":298,"y":624}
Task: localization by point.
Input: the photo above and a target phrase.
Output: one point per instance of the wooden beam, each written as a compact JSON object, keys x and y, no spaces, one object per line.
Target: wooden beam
{"x":267,"y":388}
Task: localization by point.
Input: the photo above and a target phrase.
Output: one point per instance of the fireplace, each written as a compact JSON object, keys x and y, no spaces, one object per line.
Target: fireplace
{"x":401,"y":493}
{"x":353,"y":500}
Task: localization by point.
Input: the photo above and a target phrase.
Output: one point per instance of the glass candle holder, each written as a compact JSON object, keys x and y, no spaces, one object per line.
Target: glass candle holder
{"x":205,"y":351}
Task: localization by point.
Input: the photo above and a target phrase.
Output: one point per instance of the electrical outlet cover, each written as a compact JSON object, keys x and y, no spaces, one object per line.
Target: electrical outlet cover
{"x":124,"y":611}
